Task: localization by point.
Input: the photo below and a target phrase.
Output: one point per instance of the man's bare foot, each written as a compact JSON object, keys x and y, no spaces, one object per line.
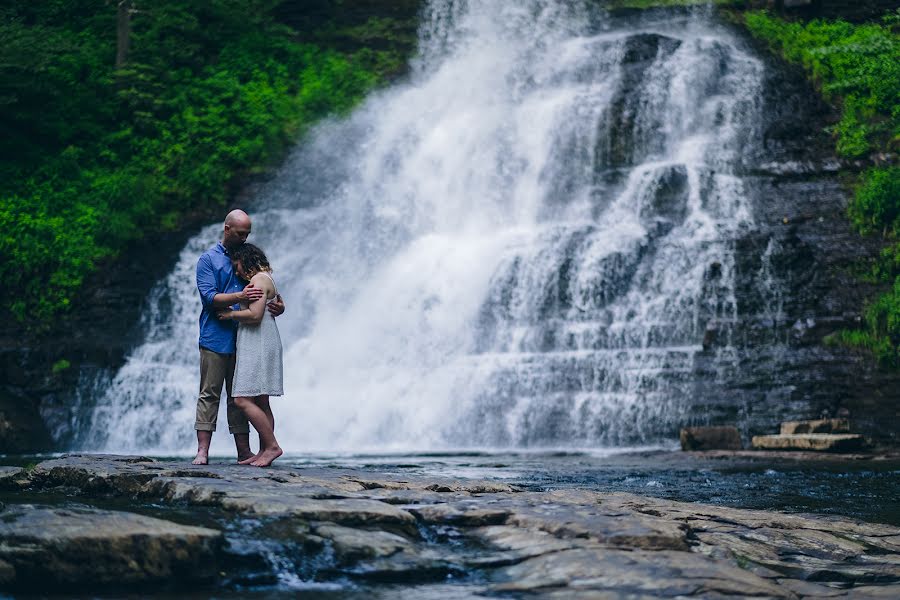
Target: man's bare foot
{"x":202,"y":458}
{"x":247,"y":460}
{"x":267,"y":456}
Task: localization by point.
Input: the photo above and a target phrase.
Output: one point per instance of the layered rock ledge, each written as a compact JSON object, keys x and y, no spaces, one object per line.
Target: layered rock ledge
{"x":561,"y":544}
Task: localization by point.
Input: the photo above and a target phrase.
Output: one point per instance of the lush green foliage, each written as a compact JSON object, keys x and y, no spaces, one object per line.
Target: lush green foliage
{"x":94,"y":157}
{"x":876,"y":207}
{"x":855,"y":65}
{"x":858,"y":68}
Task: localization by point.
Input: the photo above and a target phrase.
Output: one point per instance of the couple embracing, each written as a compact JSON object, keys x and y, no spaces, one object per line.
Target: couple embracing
{"x":240,"y":347}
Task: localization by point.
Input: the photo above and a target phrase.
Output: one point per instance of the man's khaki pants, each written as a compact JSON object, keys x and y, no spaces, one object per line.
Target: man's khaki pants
{"x":215,"y":370}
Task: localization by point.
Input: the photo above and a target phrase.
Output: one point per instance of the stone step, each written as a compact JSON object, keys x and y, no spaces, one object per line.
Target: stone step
{"x":710,"y":438}
{"x":822,"y":442}
{"x":816,"y":426}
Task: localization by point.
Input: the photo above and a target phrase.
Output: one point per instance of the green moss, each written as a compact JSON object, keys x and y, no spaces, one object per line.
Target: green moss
{"x":60,"y":366}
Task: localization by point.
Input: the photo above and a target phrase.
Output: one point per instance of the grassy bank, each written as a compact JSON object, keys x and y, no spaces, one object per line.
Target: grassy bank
{"x":857,"y":68}
{"x":95,"y":155}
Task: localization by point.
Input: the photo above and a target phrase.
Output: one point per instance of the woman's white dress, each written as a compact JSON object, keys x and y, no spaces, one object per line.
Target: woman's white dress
{"x":258,"y":370}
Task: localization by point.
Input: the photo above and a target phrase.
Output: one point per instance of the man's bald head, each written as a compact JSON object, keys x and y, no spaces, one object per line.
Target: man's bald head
{"x":237,"y":216}
{"x":236,"y":228}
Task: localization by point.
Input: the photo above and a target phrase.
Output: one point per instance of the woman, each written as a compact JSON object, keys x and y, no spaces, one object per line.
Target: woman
{"x":258,"y":367}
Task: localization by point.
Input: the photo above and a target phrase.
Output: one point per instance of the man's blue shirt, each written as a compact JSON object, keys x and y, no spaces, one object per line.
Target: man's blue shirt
{"x":215,"y":275}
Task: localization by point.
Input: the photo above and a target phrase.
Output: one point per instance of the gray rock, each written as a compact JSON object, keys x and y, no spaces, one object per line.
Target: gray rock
{"x":44,"y":547}
{"x":870,"y":591}
{"x":820,"y":442}
{"x":807,"y":589}
{"x":12,"y":477}
{"x":406,"y":567}
{"x":710,"y":438}
{"x":663,"y":573}
{"x":345,"y":512}
{"x":579,"y":514}
{"x":464,"y":516}
{"x":352,"y":544}
{"x":561,"y":544}
{"x":816,"y":426}
{"x":516,"y":544}
{"x":799,"y":546}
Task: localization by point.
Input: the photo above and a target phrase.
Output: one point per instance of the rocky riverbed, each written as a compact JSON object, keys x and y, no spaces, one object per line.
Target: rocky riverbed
{"x":121,"y":522}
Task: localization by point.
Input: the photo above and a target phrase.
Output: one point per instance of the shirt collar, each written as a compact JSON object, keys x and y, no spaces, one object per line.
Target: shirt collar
{"x":221,"y":248}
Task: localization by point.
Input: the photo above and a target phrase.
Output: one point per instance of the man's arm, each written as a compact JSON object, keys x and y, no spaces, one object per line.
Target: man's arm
{"x":211,"y":297}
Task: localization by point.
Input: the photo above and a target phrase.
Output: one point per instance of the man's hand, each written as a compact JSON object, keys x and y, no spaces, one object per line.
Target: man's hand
{"x":251,"y":294}
{"x":276,"y":306}
{"x":224,"y":315}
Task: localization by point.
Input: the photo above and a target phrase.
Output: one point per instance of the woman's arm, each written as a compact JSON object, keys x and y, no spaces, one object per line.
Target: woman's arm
{"x":254,"y":313}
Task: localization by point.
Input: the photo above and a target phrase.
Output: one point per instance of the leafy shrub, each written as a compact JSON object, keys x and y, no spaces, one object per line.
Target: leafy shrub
{"x":94,"y":157}
{"x":876,"y":206}
{"x":856,"y":66}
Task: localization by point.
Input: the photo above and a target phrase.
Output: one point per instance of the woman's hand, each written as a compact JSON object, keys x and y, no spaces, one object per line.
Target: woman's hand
{"x":224,"y":315}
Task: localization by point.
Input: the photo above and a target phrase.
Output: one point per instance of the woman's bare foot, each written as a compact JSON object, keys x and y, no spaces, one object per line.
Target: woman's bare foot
{"x":247,"y":460}
{"x":202,"y":458}
{"x":267,"y":456}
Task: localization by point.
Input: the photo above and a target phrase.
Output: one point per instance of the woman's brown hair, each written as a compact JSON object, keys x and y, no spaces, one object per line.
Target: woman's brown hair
{"x":252,"y":258}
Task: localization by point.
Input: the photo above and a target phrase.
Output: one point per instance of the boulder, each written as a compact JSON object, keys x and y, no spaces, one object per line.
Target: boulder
{"x":821,"y":442}
{"x":710,"y":438}
{"x":816,"y":426}
{"x":54,"y":548}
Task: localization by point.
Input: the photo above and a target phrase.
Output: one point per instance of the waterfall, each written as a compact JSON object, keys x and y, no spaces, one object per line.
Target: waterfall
{"x":522,"y":245}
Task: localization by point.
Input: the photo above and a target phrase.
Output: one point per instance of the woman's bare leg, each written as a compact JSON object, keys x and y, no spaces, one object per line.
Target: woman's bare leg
{"x":263,"y":403}
{"x":269,"y":449}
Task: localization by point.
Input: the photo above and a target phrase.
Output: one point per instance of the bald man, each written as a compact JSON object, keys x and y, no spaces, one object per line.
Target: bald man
{"x":219,"y":289}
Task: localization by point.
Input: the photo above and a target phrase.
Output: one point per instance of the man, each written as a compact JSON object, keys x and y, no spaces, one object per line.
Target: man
{"x":219,"y":289}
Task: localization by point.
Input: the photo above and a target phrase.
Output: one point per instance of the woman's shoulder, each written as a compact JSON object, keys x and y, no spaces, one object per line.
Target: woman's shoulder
{"x":263,"y":281}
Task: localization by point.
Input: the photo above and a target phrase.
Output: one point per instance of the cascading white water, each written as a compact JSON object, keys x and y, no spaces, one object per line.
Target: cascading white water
{"x":521,"y":246}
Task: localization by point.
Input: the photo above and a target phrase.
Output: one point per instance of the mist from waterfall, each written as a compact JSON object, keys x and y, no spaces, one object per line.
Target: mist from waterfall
{"x":523,"y":245}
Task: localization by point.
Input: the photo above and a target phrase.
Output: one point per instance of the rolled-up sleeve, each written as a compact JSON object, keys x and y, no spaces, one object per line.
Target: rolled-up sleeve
{"x":206,"y":281}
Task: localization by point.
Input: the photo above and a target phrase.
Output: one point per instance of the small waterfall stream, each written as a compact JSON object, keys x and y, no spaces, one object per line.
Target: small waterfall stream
{"x":524,"y":245}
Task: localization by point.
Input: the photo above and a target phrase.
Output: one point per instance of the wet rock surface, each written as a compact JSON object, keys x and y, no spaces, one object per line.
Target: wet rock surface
{"x":384,"y":527}
{"x":43,"y":546}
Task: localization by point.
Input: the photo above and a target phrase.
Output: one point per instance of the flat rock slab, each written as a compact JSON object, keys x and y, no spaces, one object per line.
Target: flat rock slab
{"x":820,"y":442}
{"x":43,"y":547}
{"x":639,"y":572}
{"x":561,"y":544}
